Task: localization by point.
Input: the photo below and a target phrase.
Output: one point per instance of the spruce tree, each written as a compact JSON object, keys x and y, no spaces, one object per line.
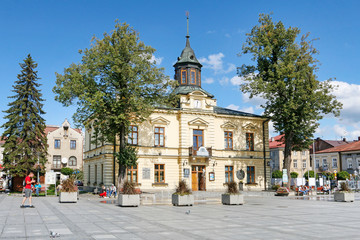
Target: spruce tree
{"x":24,"y":131}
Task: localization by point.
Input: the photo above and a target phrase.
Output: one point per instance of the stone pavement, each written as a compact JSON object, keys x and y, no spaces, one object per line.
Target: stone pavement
{"x":260,"y":218}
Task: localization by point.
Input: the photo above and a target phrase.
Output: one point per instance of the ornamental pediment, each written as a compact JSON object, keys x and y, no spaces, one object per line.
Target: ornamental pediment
{"x":249,"y":126}
{"x":160,"y":121}
{"x":198,"y":122}
{"x":197,"y":93}
{"x":228,"y":125}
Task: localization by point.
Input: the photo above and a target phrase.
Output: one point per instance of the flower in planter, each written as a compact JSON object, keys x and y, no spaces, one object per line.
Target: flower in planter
{"x":344,"y":187}
{"x":232,"y":188}
{"x":182,"y":189}
{"x":68,"y":185}
{"x":129,"y":188}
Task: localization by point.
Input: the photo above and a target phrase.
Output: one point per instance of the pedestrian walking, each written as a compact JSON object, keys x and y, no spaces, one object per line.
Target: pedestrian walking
{"x":28,"y":190}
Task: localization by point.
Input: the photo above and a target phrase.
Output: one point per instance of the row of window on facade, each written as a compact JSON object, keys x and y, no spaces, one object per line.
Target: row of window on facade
{"x":194,"y":79}
{"x":349,"y":162}
{"x":198,"y":138}
{"x":72,"y":162}
{"x":159,"y":174}
{"x":57,"y":144}
{"x":294,"y":153}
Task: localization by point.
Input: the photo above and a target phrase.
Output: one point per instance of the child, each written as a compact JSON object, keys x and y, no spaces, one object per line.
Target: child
{"x":37,"y":188}
{"x":103,"y":192}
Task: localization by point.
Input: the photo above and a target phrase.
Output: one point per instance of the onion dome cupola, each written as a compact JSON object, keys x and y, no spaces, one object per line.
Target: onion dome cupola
{"x":188,"y":68}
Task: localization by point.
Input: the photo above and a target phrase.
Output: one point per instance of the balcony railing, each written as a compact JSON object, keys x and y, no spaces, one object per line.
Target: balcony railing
{"x":201,"y":152}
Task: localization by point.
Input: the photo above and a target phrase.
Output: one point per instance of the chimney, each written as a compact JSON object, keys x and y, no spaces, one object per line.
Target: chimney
{"x":359,"y":138}
{"x":344,"y":139}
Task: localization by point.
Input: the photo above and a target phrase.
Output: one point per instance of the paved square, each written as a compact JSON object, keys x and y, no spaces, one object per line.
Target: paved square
{"x":260,"y":218}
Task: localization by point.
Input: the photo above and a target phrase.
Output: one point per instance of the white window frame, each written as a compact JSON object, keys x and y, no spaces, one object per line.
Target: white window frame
{"x":349,"y":163}
{"x":334,"y":160}
{"x":295,"y":163}
{"x":304,"y":163}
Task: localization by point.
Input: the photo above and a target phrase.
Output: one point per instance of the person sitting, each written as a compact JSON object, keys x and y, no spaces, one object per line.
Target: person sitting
{"x":303,"y":190}
{"x":112,"y":190}
{"x":326,"y":189}
{"x":37,"y":188}
{"x":103,"y":192}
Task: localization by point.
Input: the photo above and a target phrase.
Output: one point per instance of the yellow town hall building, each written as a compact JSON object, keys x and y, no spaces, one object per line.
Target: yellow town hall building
{"x":198,"y":141}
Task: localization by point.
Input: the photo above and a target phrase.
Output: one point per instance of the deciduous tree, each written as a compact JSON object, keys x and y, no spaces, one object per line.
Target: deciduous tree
{"x":284,"y":75}
{"x":115,"y":85}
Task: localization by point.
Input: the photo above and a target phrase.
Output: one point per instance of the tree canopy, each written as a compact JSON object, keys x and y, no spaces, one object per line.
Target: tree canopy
{"x":284,"y":75}
{"x":24,"y":130}
{"x":115,"y":85}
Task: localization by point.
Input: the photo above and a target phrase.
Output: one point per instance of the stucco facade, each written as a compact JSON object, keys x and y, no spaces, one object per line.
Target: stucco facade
{"x":188,"y":142}
{"x":300,"y":160}
{"x":65,"y":147}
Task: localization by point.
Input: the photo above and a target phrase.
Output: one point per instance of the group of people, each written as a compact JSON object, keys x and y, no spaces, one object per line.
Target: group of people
{"x":304,"y":189}
{"x":107,"y":192}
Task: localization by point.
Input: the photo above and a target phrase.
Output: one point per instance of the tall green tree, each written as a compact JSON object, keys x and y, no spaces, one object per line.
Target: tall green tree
{"x":24,"y":131}
{"x":115,"y":85}
{"x":285,"y":76}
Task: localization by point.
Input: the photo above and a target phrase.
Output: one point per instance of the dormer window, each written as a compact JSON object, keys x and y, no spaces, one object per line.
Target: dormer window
{"x":183,"y":76}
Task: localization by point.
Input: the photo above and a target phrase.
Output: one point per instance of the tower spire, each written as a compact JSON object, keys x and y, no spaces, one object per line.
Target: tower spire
{"x":187,"y":21}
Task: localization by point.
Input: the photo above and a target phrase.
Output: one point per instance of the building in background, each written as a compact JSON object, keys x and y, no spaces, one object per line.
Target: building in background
{"x":344,"y":157}
{"x":300,"y":159}
{"x":65,"y":147}
{"x":198,"y":141}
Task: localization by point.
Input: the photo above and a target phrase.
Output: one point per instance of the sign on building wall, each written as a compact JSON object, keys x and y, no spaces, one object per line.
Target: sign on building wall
{"x":146,"y":173}
{"x":186,"y":172}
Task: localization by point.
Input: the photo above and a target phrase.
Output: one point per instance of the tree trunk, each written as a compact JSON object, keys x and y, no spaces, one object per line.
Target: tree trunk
{"x":287,"y":156}
{"x":122,"y":168}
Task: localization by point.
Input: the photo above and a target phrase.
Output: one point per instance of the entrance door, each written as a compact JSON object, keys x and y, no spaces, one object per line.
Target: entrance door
{"x":198,"y":178}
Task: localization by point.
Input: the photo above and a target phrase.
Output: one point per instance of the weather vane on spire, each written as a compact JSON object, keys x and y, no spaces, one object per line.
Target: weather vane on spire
{"x":187,"y":19}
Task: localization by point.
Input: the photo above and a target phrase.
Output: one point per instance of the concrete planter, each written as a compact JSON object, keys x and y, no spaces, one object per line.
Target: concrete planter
{"x":232,"y":199}
{"x":68,"y":197}
{"x":344,"y":197}
{"x":185,"y":200}
{"x":127,"y":200}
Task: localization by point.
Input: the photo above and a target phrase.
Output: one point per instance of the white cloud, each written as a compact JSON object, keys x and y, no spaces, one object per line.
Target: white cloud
{"x":349,"y":95}
{"x":233,"y":107}
{"x":216,"y":63}
{"x":208,"y":80}
{"x":245,"y":109}
{"x":236,"y":80}
{"x":227,"y":35}
{"x":211,"y":32}
{"x":224,"y":80}
{"x":156,"y":60}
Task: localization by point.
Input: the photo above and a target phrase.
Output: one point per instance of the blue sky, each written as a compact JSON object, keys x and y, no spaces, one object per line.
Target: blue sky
{"x":54,"y":31}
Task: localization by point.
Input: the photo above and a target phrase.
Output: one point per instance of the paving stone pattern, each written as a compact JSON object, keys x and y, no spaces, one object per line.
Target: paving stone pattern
{"x":260,"y":218}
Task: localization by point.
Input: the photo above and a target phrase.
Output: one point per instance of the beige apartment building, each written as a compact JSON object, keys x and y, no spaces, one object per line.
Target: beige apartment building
{"x":65,"y":147}
{"x":300,"y":159}
{"x":198,"y":141}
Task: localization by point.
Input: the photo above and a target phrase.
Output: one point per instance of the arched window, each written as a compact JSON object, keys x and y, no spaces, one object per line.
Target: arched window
{"x":72,"y":161}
